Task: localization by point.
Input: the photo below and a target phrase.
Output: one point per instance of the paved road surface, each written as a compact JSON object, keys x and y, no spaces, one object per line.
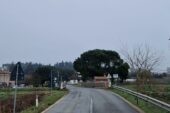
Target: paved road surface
{"x":86,"y":100}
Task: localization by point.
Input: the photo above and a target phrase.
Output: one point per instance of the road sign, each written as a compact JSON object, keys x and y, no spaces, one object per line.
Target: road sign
{"x":109,"y":76}
{"x":20,"y":73}
{"x":115,"y":76}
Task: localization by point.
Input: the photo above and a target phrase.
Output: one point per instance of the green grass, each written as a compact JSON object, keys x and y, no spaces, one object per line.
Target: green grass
{"x":154,"y":87}
{"x":46,"y":101}
{"x":158,"y":91}
{"x":145,"y":106}
{"x":7,"y":92}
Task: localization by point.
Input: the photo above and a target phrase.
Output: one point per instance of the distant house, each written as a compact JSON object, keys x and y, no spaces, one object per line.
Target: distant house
{"x":101,"y":81}
{"x":73,"y":79}
{"x":5,"y":77}
{"x":168,"y":70}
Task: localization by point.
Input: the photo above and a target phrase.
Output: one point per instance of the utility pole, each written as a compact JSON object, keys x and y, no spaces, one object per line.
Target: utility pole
{"x":58,"y":79}
{"x":51,"y":81}
{"x":17,"y":74}
{"x":15,"y":94}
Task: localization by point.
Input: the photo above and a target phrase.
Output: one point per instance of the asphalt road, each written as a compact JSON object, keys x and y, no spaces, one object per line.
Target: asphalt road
{"x":86,"y":100}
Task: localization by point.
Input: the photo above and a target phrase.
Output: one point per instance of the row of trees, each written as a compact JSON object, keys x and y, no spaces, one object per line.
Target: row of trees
{"x":141,"y":61}
{"x":64,"y":65}
{"x":37,"y":74}
{"x":30,"y":67}
{"x":42,"y":75}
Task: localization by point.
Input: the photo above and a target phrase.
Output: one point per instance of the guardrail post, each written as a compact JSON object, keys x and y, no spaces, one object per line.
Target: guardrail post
{"x":146,"y":102}
{"x":137,"y":100}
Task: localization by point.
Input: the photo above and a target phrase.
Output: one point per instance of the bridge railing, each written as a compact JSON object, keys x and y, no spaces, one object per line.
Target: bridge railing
{"x":145,"y":97}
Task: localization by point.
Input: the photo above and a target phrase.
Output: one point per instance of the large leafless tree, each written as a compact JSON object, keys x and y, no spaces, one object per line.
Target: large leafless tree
{"x":142,"y":57}
{"x":142,"y":60}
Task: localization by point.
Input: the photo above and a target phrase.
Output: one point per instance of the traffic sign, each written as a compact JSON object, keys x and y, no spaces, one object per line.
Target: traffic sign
{"x":115,"y":76}
{"x":17,"y":70}
{"x":109,"y":76}
{"x":17,"y":74}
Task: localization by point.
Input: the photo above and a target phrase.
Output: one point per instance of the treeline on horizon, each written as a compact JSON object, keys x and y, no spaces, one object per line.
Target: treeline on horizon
{"x":29,"y":67}
{"x":37,"y":73}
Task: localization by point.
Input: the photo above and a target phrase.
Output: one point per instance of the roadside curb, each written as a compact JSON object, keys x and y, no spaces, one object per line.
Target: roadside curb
{"x":54,"y":104}
{"x":132,"y":105}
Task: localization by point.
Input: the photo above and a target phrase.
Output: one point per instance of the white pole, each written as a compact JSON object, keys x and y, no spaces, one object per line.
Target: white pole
{"x":15,"y":94}
{"x":51,"y":81}
{"x":61,"y":83}
{"x":36,"y":97}
{"x":36,"y":100}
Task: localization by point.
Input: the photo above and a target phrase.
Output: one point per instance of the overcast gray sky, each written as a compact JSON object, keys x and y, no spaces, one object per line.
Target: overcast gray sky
{"x":48,"y":31}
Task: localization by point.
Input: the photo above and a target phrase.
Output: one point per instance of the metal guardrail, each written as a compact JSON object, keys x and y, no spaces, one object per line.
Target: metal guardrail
{"x":146,"y":98}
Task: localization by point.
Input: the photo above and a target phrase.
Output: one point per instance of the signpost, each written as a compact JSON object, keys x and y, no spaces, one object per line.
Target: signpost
{"x":115,"y":76}
{"x":17,"y":74}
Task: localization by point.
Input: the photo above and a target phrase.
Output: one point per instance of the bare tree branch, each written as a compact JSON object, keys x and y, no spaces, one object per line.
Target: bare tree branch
{"x":141,"y":57}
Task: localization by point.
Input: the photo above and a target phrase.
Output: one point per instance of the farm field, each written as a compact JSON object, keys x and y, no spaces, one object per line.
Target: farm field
{"x":26,"y":99}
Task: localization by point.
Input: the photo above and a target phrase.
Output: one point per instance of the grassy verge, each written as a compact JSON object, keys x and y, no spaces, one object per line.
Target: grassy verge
{"x":46,"y":101}
{"x":145,"y":106}
{"x":26,"y":99}
{"x":5,"y":93}
{"x":158,"y":91}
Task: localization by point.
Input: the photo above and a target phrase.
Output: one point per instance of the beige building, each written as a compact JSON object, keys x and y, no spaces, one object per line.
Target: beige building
{"x":4,"y":76}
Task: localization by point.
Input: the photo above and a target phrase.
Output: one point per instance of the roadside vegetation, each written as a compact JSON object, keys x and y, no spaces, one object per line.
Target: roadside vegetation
{"x":36,"y":83}
{"x":46,"y":101}
{"x":143,"y":105}
{"x":26,"y":99}
{"x":158,"y":91}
